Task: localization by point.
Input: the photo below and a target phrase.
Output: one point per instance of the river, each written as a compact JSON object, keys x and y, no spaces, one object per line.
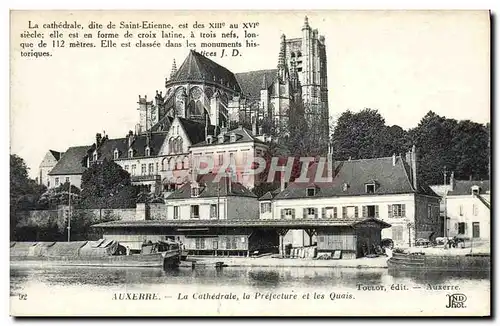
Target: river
{"x":31,"y":280}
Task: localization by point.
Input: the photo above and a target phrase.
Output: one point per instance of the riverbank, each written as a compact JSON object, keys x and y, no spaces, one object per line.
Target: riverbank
{"x":200,"y":261}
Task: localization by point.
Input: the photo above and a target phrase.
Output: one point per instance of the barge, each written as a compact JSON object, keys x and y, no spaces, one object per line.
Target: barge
{"x":101,"y":253}
{"x":478,"y":262}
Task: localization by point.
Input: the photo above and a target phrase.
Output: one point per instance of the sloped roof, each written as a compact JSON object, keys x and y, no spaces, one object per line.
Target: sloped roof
{"x":57,"y":155}
{"x":388,"y":179}
{"x":195,"y":130}
{"x":242,"y":135}
{"x":298,"y":223}
{"x":270,"y":194}
{"x":211,"y":188}
{"x":72,"y":162}
{"x":106,"y":150}
{"x":251,"y":82}
{"x":163,"y":125}
{"x":463,"y":187}
{"x":200,"y":68}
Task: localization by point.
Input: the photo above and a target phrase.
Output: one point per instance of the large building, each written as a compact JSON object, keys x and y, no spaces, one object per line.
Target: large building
{"x":465,"y":208}
{"x":204,"y":100}
{"x":385,"y":189}
{"x":204,"y":91}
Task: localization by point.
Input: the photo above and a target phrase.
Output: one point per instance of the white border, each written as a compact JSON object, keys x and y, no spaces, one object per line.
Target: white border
{"x":494,"y":5}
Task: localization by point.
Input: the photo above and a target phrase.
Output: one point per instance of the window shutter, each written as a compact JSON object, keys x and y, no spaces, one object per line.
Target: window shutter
{"x":293,"y":213}
{"x":335,"y":212}
{"x":282,"y":213}
{"x":403,"y":210}
{"x":315,"y":213}
{"x":389,"y":211}
{"x":365,"y":211}
{"x":376,"y":211}
{"x":344,"y":212}
{"x":465,"y":227}
{"x":304,"y":212}
{"x":356,"y":212}
{"x":323,"y":213}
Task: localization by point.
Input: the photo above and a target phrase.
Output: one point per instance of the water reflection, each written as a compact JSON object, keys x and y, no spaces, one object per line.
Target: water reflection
{"x":250,"y":278}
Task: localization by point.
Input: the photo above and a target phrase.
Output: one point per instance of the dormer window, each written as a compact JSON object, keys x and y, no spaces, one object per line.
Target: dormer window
{"x":221,"y":139}
{"x":311,"y":192}
{"x":94,"y":156}
{"x":116,"y":154}
{"x":195,"y":191}
{"x":370,"y":188}
{"x":131,"y":153}
{"x":232,"y":137}
{"x":475,"y":190}
{"x":345,"y":186}
{"x":209,"y":139}
{"x":148,"y":151}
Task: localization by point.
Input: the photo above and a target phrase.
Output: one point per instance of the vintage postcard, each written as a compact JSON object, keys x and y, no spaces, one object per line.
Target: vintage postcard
{"x":250,"y":163}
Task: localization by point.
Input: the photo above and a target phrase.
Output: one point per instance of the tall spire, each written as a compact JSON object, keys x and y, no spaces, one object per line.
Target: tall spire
{"x":306,"y":23}
{"x":174,"y":70}
{"x":264,"y":82}
{"x":282,"y":68}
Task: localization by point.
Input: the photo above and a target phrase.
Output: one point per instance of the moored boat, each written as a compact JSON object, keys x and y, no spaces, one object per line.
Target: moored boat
{"x":101,"y":253}
{"x":422,"y":262}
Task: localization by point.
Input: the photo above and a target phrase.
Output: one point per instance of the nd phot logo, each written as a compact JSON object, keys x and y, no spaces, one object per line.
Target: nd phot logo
{"x":456,"y":300}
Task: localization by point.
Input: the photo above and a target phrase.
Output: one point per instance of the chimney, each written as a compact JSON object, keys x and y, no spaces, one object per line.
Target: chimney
{"x":206,"y":127}
{"x":414,"y":166}
{"x":130,"y":137}
{"x":98,"y":138}
{"x":282,"y":178}
{"x":452,"y":180}
{"x":229,"y":182}
{"x":393,"y":159}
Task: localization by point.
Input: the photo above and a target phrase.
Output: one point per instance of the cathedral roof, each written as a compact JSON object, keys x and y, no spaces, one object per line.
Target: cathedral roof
{"x":251,"y":81}
{"x":197,"y":67}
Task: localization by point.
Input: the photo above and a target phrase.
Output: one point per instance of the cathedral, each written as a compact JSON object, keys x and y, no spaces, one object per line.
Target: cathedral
{"x":206,"y":106}
{"x":204,"y":91}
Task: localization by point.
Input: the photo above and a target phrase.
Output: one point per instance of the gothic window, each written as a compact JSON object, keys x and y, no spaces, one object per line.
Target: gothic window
{"x":209,"y":92}
{"x":171,"y":146}
{"x":179,"y":145}
{"x":179,"y":101}
{"x":115,"y":154}
{"x":185,"y":163}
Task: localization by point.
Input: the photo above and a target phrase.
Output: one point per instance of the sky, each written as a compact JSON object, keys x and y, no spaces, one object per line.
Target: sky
{"x":401,"y":63}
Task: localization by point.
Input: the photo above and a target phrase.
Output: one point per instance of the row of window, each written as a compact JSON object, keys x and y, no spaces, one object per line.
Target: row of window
{"x":461,"y":228}
{"x":230,"y":242}
{"x":475,"y":210}
{"x":57,"y":182}
{"x":219,"y":159}
{"x":195,"y":212}
{"x":146,"y":169}
{"x":345,"y":212}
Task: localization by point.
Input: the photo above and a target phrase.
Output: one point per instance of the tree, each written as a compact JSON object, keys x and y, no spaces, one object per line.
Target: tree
{"x":459,"y":146}
{"x":365,"y":135}
{"x":51,"y":198}
{"x":107,"y":185}
{"x":24,"y":192}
